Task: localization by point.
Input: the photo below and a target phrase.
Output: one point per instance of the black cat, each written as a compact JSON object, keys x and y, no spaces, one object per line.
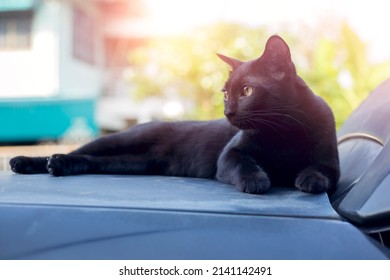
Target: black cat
{"x":277,"y":133}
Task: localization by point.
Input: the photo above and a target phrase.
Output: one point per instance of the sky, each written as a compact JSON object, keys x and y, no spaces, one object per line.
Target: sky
{"x":370,"y":19}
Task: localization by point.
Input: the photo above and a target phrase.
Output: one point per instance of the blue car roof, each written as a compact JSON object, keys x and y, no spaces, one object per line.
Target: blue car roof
{"x":154,"y":217}
{"x":160,"y":193}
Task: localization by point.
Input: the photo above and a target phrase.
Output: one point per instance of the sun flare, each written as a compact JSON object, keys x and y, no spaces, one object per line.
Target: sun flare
{"x":176,"y":16}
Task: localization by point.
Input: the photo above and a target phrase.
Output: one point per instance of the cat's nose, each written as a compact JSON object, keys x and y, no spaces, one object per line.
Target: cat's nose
{"x":229,"y":112}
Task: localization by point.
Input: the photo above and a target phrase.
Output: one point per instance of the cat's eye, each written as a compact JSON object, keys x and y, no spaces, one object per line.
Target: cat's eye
{"x":225,"y":95}
{"x":247,"y":90}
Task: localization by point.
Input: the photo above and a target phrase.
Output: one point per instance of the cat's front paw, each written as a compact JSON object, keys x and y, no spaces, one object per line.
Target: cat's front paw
{"x":28,"y":165}
{"x":255,"y":183}
{"x":312,"y":181}
{"x":59,"y":165}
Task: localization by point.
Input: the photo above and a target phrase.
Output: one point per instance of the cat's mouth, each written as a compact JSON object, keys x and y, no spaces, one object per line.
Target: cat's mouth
{"x":240,"y":123}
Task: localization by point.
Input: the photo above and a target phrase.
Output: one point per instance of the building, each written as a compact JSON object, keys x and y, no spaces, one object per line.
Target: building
{"x":56,"y":58}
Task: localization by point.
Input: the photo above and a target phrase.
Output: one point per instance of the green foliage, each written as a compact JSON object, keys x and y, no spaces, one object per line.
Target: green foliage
{"x":188,"y":65}
{"x":335,"y":68}
{"x":339,"y":71}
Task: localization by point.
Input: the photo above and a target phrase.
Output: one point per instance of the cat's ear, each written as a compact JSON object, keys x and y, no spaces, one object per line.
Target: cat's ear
{"x":277,"y":49}
{"x":278,"y":55}
{"x":234,"y":63}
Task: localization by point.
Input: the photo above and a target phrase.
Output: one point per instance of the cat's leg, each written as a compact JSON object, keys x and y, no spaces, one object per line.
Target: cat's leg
{"x":29,"y":165}
{"x":36,"y":165}
{"x":317,"y":179}
{"x":114,"y":144}
{"x":241,"y":170}
{"x":132,"y":141}
{"x":64,"y":165}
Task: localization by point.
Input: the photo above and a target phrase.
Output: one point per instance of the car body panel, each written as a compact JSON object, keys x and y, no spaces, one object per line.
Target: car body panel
{"x":155,"y":217}
{"x":362,"y":195}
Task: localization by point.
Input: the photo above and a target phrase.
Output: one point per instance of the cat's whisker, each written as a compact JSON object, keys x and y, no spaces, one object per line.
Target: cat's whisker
{"x":275,"y":126}
{"x":288,"y":110}
{"x":275,"y":120}
{"x":263,"y":114}
{"x":302,"y":124}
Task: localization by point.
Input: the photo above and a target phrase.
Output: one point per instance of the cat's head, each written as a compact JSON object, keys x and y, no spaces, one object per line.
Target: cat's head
{"x":259,"y":87}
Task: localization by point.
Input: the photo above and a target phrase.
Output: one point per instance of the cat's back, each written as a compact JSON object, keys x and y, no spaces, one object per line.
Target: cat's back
{"x":180,"y":129}
{"x":193,"y":146}
{"x":180,"y":148}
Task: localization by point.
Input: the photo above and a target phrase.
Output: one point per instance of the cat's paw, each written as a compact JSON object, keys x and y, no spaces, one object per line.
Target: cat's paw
{"x":28,"y":165}
{"x":21,"y":164}
{"x":59,"y":165}
{"x":312,"y":181}
{"x":255,"y":183}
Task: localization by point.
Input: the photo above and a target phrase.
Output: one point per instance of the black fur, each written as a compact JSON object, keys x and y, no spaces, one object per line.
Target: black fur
{"x":277,"y":132}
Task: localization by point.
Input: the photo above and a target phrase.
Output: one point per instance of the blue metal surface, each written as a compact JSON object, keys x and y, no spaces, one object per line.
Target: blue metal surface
{"x":140,"y":217}
{"x":159,"y":192}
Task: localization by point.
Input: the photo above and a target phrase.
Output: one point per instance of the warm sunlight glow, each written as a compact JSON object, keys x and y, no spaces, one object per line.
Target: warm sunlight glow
{"x":369,"y":18}
{"x":176,"y":16}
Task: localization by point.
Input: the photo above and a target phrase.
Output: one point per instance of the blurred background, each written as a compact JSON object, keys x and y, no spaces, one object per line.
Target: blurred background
{"x":72,"y":70}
